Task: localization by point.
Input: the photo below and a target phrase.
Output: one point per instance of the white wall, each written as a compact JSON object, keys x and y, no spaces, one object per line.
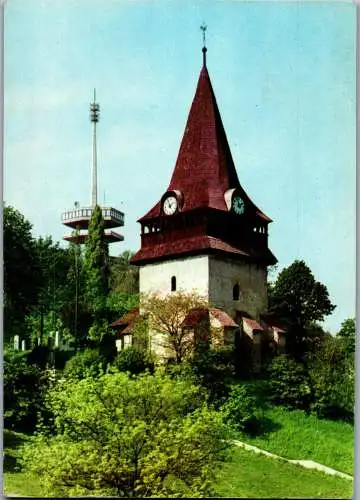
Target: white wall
{"x":192,"y":274}
{"x":211,"y":277}
{"x":225,"y":273}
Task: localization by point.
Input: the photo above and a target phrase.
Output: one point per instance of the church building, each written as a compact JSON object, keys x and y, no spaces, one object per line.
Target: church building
{"x":205,"y":234}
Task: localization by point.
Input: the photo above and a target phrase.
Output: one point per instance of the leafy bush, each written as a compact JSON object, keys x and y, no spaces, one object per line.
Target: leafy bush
{"x":214,"y":370}
{"x":242,"y":410}
{"x":133,"y":360}
{"x":24,"y":384}
{"x":87,"y":363}
{"x":289,"y":383}
{"x":332,"y":377}
{"x":347,"y":336}
{"x":128,"y":436}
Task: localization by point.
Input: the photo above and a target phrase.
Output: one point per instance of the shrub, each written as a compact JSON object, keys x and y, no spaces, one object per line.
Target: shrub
{"x":214,"y":370}
{"x":23,"y":385}
{"x":87,"y":363}
{"x":129,"y":436}
{"x":289,"y":383}
{"x":242,"y":411}
{"x":332,"y":377}
{"x":134,"y":361}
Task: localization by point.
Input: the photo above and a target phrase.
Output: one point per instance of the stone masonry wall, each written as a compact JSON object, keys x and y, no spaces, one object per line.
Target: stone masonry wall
{"x":225,"y":273}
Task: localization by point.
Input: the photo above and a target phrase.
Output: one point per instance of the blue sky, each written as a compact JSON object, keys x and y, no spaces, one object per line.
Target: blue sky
{"x":284,"y":77}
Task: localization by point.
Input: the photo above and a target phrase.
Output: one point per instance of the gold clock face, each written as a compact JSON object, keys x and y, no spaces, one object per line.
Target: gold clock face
{"x":238,"y":205}
{"x":170,"y":205}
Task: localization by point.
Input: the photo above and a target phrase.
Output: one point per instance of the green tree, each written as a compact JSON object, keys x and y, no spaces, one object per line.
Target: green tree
{"x":22,"y":276}
{"x":129,"y":436}
{"x":76,"y":313}
{"x":134,"y":361}
{"x":332,"y":378}
{"x":124,"y":277}
{"x":86,"y":363}
{"x":214,"y":370}
{"x":118,"y":303}
{"x":347,"y":334}
{"x":23,"y":391}
{"x":242,"y":410}
{"x":300,"y":301}
{"x":96,"y":269}
{"x":56,"y":290}
{"x":289,"y":383}
{"x":96,"y":261}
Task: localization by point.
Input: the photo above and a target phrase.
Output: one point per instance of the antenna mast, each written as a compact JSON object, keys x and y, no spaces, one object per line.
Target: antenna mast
{"x":94,"y":118}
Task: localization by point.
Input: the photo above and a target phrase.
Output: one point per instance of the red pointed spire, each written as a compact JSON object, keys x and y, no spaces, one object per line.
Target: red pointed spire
{"x":204,"y":178}
{"x":204,"y":168}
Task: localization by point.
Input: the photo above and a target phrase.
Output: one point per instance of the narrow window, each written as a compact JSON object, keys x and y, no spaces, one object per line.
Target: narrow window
{"x":173,"y":283}
{"x":236,"y":292}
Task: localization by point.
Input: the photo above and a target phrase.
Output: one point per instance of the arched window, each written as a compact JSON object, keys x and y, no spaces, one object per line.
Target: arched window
{"x":236,"y":292}
{"x":173,"y":283}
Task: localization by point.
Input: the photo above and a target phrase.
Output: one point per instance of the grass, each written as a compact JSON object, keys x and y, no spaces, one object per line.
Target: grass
{"x":246,"y":474}
{"x":291,"y":434}
{"x":14,"y":480}
{"x":250,"y":475}
{"x":296,"y":435}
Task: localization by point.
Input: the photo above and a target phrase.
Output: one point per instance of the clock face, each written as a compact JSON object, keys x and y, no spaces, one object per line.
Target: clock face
{"x":170,"y":205}
{"x":238,"y":205}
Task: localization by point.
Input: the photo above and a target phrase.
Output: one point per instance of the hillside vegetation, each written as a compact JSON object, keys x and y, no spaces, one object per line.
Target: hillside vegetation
{"x":297,"y":435}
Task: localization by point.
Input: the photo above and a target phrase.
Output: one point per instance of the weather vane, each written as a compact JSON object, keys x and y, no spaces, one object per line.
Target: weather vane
{"x":203,"y":28}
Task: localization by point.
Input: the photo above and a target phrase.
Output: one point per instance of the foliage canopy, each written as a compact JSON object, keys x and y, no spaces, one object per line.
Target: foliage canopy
{"x":299,"y":300}
{"x":166,"y":317}
{"x":22,"y":276}
{"x":116,"y":435}
{"x":96,"y":263}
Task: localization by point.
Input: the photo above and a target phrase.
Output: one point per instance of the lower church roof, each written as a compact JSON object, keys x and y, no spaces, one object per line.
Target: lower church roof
{"x":196,"y":244}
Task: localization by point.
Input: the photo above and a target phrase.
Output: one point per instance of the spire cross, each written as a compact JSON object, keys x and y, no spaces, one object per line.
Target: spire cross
{"x":203,"y":28}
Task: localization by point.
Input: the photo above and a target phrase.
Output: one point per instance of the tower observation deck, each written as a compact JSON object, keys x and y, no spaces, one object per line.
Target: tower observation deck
{"x":78,"y":217}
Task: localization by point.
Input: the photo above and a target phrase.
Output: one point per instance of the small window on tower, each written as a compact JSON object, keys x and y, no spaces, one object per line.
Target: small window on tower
{"x":236,"y":292}
{"x":173,"y":283}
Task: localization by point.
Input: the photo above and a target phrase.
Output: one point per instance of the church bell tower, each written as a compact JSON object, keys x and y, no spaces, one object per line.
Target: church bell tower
{"x":205,"y":234}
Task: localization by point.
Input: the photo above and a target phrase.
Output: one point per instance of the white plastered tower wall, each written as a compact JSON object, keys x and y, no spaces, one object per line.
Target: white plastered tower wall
{"x":191,"y":274}
{"x":225,"y":273}
{"x":213,"y":278}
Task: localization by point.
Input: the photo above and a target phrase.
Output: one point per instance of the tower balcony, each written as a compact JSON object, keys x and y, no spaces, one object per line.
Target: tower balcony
{"x":80,"y":239}
{"x":79,"y":218}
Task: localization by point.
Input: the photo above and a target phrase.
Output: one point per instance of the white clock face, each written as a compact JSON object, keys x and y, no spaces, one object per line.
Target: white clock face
{"x":170,"y":205}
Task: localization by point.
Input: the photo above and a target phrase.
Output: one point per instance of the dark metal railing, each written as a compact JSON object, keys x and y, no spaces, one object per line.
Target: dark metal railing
{"x":86,"y":212}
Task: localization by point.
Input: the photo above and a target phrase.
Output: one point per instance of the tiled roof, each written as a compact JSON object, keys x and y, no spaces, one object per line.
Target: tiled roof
{"x":128,"y":318}
{"x":270,"y":321}
{"x":223,"y":317}
{"x":197,"y":314}
{"x":192,"y":245}
{"x":253,"y":324}
{"x":204,"y":169}
{"x":278,"y":330}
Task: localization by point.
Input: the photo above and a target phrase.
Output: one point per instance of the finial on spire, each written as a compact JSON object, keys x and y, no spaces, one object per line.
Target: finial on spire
{"x":203,"y":28}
